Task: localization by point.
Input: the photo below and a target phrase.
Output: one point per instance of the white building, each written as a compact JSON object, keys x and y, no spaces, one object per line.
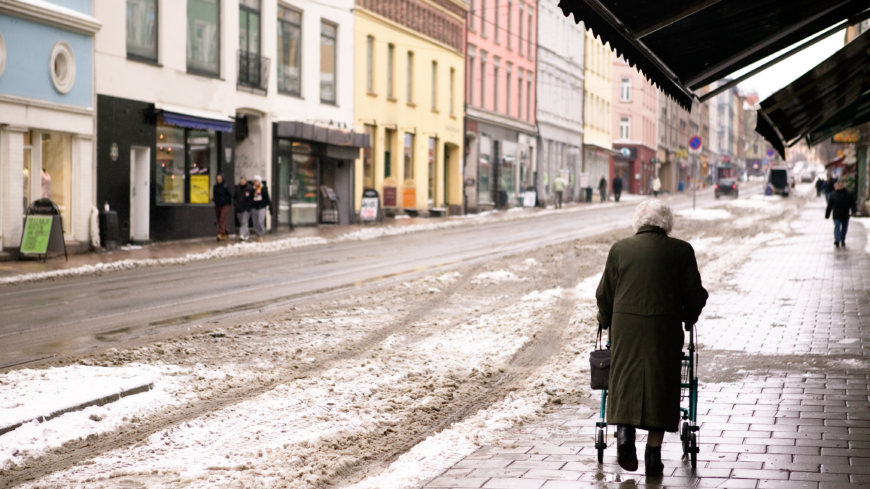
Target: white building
{"x":242,"y":88}
{"x":47,"y":115}
{"x":560,"y":100}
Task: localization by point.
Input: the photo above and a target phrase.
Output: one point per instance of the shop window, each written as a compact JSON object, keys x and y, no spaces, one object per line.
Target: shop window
{"x":409,"y":156}
{"x":142,"y":29}
{"x":289,"y":51}
{"x":203,"y":37}
{"x":328,"y":34}
{"x":56,"y":174}
{"x":368,"y":158}
{"x":388,"y":152}
{"x":433,"y":143}
{"x":187,"y":162}
{"x":483,"y":170}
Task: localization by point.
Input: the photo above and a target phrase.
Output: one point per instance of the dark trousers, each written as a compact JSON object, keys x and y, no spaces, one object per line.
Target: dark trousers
{"x":840,"y":228}
{"x":220,"y":215}
{"x":603,"y":194}
{"x":616,"y":193}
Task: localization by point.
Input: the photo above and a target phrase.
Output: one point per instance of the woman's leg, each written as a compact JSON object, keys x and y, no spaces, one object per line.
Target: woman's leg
{"x":653,"y":454}
{"x":654,"y":438}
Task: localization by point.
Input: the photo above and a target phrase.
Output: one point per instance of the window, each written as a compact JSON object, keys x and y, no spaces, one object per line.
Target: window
{"x":508,"y":91}
{"x":452,"y":91}
{"x":510,"y":19}
{"x":469,"y":85}
{"x":529,"y":48}
{"x":249,"y":26}
{"x":483,"y":171}
{"x":328,"y":36}
{"x":391,"y":61}
{"x":528,"y":96}
{"x":142,"y":29}
{"x":520,"y":34}
{"x":410,"y":86}
{"x":388,"y":152}
{"x":434,"y":85}
{"x":497,"y":20}
{"x":409,"y":156}
{"x":203,"y":37}
{"x":55,"y":172}
{"x":289,"y":51}
{"x":482,"y":18}
{"x":483,"y":79}
{"x":433,"y":143}
{"x":471,"y":11}
{"x":495,"y":82}
{"x":625,"y":90}
{"x":370,"y":60}
{"x":624,"y":128}
{"x":369,"y":159}
{"x":186,"y":163}
{"x":520,"y":94}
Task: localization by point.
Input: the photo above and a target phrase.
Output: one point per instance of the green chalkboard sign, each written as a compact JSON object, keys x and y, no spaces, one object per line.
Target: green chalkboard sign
{"x":37,"y":231}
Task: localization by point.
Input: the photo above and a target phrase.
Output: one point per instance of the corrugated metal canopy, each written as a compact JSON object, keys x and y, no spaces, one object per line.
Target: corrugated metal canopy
{"x":683,"y":45}
{"x":830,"y":97}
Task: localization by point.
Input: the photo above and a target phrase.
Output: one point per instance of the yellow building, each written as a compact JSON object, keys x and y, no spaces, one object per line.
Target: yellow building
{"x":598,"y":92}
{"x":409,"y":99}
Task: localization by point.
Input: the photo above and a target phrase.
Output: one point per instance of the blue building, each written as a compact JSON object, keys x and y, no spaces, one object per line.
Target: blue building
{"x":47,"y":116}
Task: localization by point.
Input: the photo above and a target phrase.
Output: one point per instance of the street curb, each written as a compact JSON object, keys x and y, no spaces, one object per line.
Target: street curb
{"x":95,"y":402}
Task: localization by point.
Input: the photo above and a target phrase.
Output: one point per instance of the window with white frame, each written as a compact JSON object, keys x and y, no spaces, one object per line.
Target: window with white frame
{"x":370,"y":61}
{"x":328,"y":37}
{"x":142,"y":29}
{"x":625,"y":90}
{"x":625,"y":127}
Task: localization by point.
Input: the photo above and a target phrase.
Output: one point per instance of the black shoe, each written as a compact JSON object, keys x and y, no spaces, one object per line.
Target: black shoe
{"x":837,"y":244}
{"x":652,"y":459}
{"x":626,"y":453}
{"x":843,"y":244}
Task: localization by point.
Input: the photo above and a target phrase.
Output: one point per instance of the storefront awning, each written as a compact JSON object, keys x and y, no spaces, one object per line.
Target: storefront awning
{"x":177,"y":116}
{"x":823,"y":101}
{"x":684,"y":45}
{"x":322,"y":134}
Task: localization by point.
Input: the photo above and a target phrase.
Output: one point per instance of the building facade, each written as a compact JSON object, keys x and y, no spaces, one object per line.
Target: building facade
{"x":634,"y":128}
{"x":673,"y":137}
{"x":561,"y":49}
{"x":500,"y":132}
{"x":409,"y":74}
{"x":597,"y":97}
{"x":47,"y":116}
{"x":190,"y":90}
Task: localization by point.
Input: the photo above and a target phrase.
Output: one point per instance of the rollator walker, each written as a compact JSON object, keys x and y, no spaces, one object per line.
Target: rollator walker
{"x":689,"y":429}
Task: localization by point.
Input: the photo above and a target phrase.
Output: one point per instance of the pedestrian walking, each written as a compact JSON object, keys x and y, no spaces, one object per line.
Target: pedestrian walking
{"x":559,"y":185}
{"x":649,"y":289}
{"x":617,"y":187}
{"x":602,"y":189}
{"x":820,"y":187}
{"x":260,"y":205}
{"x":242,"y":196}
{"x":830,"y":186}
{"x":841,"y":205}
{"x":222,"y":197}
{"x":656,"y":186}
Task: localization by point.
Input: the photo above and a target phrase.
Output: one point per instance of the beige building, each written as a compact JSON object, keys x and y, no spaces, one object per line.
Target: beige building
{"x":597,"y":93}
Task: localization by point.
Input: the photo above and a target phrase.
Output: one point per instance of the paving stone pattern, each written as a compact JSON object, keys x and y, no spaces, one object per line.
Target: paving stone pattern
{"x":793,"y":325}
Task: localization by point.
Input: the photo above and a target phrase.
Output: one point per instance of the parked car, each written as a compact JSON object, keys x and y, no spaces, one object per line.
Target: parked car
{"x":780,"y":180}
{"x":726,"y":186}
{"x":807,"y":177}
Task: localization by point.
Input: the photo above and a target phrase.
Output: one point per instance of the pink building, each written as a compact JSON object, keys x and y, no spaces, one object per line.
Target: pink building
{"x":634,"y":128}
{"x":500,"y":102}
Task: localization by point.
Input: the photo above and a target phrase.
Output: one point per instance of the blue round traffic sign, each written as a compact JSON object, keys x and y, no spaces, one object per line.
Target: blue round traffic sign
{"x":695,"y":142}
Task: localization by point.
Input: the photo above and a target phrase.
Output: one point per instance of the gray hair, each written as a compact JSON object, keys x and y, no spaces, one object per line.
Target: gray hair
{"x":653,"y":212}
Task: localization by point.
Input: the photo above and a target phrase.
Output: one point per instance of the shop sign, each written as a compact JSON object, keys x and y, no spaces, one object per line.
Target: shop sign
{"x":847,"y":136}
{"x":37,"y":231}
{"x":369,"y":207}
{"x":199,"y":189}
{"x":530,"y":197}
{"x":390,"y":197}
{"x":409,"y":198}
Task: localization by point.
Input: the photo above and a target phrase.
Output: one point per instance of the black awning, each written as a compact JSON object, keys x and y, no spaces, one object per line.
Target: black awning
{"x":684,"y":45}
{"x":322,"y":134}
{"x":822,"y":101}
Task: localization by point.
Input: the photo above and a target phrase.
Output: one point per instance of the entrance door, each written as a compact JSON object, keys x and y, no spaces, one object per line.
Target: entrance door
{"x":140,"y":193}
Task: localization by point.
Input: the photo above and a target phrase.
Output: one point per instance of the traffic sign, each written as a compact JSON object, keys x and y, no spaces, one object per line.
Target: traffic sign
{"x":770,"y":153}
{"x":695,"y":143}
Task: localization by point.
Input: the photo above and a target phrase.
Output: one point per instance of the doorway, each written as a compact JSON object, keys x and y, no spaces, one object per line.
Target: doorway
{"x":140,"y":194}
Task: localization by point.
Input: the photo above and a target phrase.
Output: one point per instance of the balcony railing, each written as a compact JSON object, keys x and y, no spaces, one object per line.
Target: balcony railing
{"x":253,"y":72}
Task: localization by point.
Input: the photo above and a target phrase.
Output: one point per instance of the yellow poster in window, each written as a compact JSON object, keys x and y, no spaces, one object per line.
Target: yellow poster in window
{"x":199,"y":189}
{"x":173,"y":189}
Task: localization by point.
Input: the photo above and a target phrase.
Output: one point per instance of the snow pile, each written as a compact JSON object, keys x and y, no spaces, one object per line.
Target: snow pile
{"x":495,"y":276}
{"x":586,"y":289}
{"x":704,"y":214}
{"x":866,"y":223}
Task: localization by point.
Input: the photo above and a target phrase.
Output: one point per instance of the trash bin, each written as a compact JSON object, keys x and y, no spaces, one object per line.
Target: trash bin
{"x":588,"y":194}
{"x":110,"y":234}
{"x":682,"y":186}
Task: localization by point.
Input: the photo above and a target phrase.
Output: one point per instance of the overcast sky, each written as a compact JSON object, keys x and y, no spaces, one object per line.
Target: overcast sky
{"x":779,"y":75}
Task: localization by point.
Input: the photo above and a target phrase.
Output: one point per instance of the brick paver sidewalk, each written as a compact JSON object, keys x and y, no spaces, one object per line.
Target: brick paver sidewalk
{"x":792,"y":339}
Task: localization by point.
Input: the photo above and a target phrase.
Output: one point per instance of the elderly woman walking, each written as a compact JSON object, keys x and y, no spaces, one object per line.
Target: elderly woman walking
{"x":649,"y":289}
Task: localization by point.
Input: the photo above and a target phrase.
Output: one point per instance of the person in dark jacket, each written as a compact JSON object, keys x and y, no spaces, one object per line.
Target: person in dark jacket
{"x":841,"y":204}
{"x":242,"y":201}
{"x":650,"y":288}
{"x":617,"y":187}
{"x":260,"y":205}
{"x":602,"y":189}
{"x":830,"y":186}
{"x":820,"y":186}
{"x":222,"y":197}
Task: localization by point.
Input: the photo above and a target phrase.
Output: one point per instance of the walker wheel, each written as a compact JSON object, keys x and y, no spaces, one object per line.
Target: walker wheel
{"x":684,"y":437}
{"x":693,"y":449}
{"x":600,"y":446}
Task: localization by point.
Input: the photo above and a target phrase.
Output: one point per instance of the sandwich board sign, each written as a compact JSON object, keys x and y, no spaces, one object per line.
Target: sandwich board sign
{"x":368,"y":211}
{"x":43,"y":230}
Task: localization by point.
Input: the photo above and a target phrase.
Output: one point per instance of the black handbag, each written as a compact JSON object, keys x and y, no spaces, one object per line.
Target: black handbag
{"x":599,"y":364}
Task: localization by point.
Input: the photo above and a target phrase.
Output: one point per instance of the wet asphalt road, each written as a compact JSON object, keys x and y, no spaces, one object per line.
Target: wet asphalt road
{"x":81,"y":315}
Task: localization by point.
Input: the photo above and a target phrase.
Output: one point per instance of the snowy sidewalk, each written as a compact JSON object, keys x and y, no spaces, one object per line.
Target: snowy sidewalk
{"x":785,"y":367}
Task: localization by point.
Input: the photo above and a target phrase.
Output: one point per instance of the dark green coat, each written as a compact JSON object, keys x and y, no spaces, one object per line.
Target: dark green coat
{"x":650,"y":287}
